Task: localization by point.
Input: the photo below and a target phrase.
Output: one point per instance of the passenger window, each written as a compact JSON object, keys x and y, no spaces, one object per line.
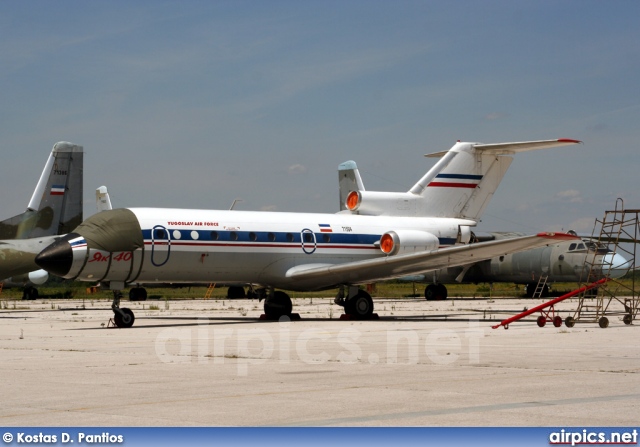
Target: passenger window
{"x":308,"y":237}
{"x":252,"y":236}
{"x":159,"y":234}
{"x":271,"y":237}
{"x":233,"y":236}
{"x":289,"y":237}
{"x":326,"y":238}
{"x":214,"y":236}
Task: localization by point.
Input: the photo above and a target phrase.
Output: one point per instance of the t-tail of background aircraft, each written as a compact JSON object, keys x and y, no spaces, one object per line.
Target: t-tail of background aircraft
{"x":55,"y":208}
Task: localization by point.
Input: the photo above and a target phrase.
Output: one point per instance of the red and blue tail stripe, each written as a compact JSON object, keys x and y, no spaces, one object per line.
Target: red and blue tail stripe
{"x":456,"y":181}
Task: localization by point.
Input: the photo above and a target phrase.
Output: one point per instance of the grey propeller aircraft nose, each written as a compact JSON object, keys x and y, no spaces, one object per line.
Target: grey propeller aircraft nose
{"x":57,"y":258}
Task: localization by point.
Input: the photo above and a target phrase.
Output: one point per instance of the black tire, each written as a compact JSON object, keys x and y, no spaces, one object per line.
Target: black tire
{"x":627,"y":319}
{"x":530,"y":289}
{"x":569,"y":322}
{"x":138,"y":294}
{"x":236,"y":292}
{"x":603,"y":322}
{"x":360,"y":306}
{"x":541,"y":321}
{"x":557,"y":321}
{"x":125,"y":318}
{"x":30,"y":293}
{"x":435,"y":292}
{"x":278,"y":305}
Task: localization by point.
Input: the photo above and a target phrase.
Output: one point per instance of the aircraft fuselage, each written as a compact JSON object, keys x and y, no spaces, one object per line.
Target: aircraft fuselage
{"x":248,"y":247}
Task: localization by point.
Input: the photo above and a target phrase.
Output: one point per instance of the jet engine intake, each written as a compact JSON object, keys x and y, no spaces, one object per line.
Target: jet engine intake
{"x":408,"y":241}
{"x":374,"y":203}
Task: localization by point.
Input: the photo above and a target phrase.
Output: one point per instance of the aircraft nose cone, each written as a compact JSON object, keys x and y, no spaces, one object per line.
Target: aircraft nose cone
{"x":57,"y":258}
{"x":619,"y":265}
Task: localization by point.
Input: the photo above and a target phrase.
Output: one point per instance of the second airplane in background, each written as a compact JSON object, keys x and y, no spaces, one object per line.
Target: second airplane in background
{"x":55,"y":208}
{"x":373,"y":240}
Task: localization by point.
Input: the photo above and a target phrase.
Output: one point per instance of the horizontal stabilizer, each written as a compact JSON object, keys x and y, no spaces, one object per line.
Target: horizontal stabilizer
{"x":513,"y":148}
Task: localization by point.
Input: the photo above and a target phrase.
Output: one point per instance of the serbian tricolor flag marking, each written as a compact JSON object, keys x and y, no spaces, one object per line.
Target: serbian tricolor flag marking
{"x":78,"y":242}
{"x":325,"y":228}
{"x":57,"y":190}
{"x":456,"y":181}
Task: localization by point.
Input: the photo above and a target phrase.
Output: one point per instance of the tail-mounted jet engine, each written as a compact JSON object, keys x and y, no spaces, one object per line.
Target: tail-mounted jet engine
{"x":408,"y":241}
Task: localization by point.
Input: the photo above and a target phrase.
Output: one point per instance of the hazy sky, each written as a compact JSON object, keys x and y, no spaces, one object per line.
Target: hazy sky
{"x":197,"y":103}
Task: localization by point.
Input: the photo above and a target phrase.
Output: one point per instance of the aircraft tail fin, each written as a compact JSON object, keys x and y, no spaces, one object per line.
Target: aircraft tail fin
{"x":103,"y":201}
{"x":459,"y":185}
{"x":56,"y":204}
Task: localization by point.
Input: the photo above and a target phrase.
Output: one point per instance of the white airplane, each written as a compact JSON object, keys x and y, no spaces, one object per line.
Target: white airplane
{"x":55,"y":208}
{"x":302,"y":251}
{"x":562,"y":261}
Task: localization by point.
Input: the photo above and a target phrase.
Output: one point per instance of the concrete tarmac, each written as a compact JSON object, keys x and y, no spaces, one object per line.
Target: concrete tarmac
{"x":213,"y":363}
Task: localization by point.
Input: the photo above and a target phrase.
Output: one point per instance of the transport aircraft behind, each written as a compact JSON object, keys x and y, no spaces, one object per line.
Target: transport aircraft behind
{"x":562,"y":261}
{"x":55,"y":208}
{"x":372,"y":240}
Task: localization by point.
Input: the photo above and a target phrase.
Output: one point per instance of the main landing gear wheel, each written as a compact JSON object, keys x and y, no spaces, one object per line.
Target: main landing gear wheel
{"x":435,"y":292}
{"x":531,"y":289}
{"x":138,"y":294}
{"x":359,"y":306}
{"x":124,"y":317}
{"x":235,"y":292}
{"x":278,"y":305}
{"x":30,"y":293}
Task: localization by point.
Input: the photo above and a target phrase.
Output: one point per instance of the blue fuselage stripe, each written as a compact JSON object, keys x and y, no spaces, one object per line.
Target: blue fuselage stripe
{"x":460,"y":176}
{"x":266,"y":239}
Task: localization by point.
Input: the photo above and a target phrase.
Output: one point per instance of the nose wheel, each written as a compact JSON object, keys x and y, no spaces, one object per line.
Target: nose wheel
{"x":123,"y":317}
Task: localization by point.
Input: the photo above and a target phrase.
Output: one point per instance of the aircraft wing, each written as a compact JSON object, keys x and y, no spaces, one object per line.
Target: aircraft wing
{"x":390,"y":267}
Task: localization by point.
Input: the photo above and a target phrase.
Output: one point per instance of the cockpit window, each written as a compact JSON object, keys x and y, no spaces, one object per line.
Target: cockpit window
{"x":572,"y":247}
{"x":581,"y":247}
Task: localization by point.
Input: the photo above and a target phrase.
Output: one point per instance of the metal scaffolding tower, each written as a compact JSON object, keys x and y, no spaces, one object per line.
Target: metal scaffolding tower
{"x":617,"y":233}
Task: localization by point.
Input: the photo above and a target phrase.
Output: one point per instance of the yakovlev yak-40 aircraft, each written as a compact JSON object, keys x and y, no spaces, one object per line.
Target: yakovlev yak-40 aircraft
{"x":302,"y":251}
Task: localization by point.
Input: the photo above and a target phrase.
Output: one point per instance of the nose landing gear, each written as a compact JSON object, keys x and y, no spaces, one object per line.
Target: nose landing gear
{"x":123,"y":317}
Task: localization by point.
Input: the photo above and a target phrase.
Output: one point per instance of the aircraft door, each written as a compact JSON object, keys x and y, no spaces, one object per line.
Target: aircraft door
{"x":160,"y":245}
{"x":308,"y":239}
{"x":545,"y":261}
